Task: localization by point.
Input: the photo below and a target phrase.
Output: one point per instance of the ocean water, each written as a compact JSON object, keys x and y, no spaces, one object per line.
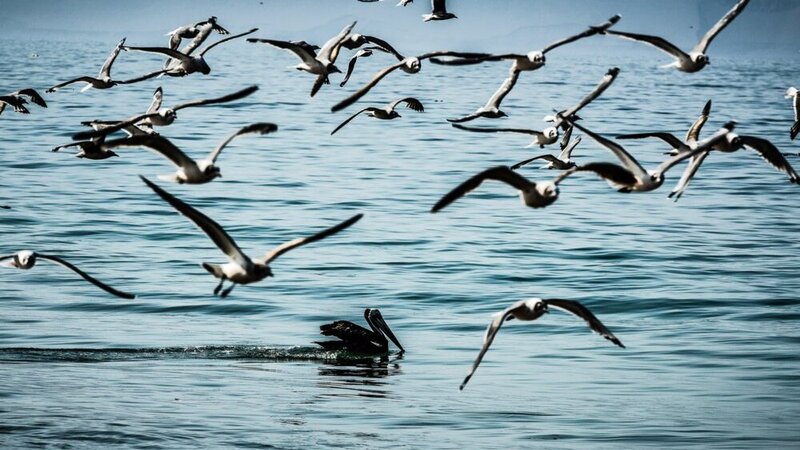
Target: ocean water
{"x":703,"y":292}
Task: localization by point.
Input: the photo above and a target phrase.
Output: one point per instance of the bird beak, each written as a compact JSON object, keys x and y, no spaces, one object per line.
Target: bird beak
{"x":381,"y":324}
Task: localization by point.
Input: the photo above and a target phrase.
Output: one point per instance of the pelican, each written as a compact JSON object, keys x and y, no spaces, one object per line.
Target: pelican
{"x":410,"y":64}
{"x":696,"y":59}
{"x":790,"y":93}
{"x":532,"y":309}
{"x":189,"y":170}
{"x":438,"y":12}
{"x":17,"y":101}
{"x":156,"y":115}
{"x":387,"y":112}
{"x":240,"y":268}
{"x":321,"y":64}
{"x":550,"y":134}
{"x":357,"y":339}
{"x":532,"y":60}
{"x":561,"y":162}
{"x":534,"y":195}
{"x":186,"y":63}
{"x":26,"y":259}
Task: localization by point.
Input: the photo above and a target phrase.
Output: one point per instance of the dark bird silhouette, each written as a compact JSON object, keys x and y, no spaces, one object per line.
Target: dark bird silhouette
{"x":355,"y":338}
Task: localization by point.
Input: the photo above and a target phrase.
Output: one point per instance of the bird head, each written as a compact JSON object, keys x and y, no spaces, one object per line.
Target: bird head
{"x":701,"y":59}
{"x":331,"y":68}
{"x":25,"y":259}
{"x":791,"y":92}
{"x":394,"y":114}
{"x":536,"y":57}
{"x":202,"y":66}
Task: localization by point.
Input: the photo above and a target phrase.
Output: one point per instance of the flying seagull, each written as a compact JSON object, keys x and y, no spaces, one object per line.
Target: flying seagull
{"x":240,"y":268}
{"x":491,"y":110}
{"x":790,"y":93}
{"x":156,"y":115}
{"x":184,"y":63}
{"x":696,"y":59}
{"x":192,"y":31}
{"x":689,"y":142}
{"x":321,"y":64}
{"x":26,"y":259}
{"x":357,"y":339}
{"x":189,"y":170}
{"x":561,"y":162}
{"x":17,"y":100}
{"x":534,"y":195}
{"x":387,"y":112}
{"x":531,"y":310}
{"x":438,"y":12}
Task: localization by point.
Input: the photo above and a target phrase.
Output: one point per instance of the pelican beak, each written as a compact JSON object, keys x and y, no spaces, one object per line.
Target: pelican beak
{"x":381,"y":325}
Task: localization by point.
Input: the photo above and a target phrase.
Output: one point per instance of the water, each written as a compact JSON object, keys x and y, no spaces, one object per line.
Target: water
{"x":703,"y":292}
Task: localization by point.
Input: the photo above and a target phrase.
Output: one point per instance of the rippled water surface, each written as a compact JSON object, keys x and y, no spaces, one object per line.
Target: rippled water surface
{"x":703,"y":292}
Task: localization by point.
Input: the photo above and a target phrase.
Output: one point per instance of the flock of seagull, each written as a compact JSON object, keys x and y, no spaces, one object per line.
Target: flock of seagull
{"x":627,"y":176}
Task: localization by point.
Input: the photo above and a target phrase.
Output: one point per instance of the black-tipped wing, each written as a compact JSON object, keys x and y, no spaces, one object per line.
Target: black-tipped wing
{"x":364,"y":89}
{"x":605,"y":82}
{"x":363,"y":53}
{"x":146,"y":76}
{"x":616,"y":175}
{"x":666,"y":137}
{"x":34,"y":96}
{"x":205,"y":50}
{"x":657,"y":42}
{"x":161,"y":50}
{"x":349,"y":119}
{"x":224,"y":99}
{"x":628,"y":161}
{"x":85,"y":79}
{"x":693,"y":135}
{"x":283,"y":248}
{"x":105,"y":71}
{"x":581,"y":311}
{"x":545,"y":157}
{"x":411,"y":103}
{"x":498,"y":173}
{"x":688,"y":174}
{"x":260,"y":128}
{"x":155,"y":105}
{"x":772,"y":155}
{"x":212,"y":229}
{"x":302,"y":51}
{"x":86,"y":276}
{"x":157,"y":143}
{"x":498,"y":130}
{"x":702,"y":46}
{"x":590,"y":32}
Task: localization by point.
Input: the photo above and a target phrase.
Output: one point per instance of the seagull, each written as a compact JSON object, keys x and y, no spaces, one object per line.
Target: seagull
{"x":534,"y":59}
{"x":645,"y":180}
{"x":550,"y":134}
{"x":103,"y":80}
{"x":362,"y":53}
{"x":93,"y":148}
{"x":186,"y":63}
{"x":357,"y":339}
{"x":321,"y":64}
{"x":156,"y":115}
{"x":16,"y":100}
{"x":695,"y":59}
{"x":532,"y":309}
{"x":561,"y":162}
{"x":410,"y":64}
{"x":790,"y":93}
{"x":192,"y":31}
{"x":26,"y":259}
{"x":491,"y":110}
{"x":438,"y":12}
{"x":692,"y":135}
{"x":189,"y":170}
{"x":534,"y":195}
{"x":240,"y":268}
{"x":354,"y":40}
{"x":387,"y":112}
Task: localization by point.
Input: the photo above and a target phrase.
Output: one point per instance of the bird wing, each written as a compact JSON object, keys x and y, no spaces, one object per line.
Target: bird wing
{"x":105,"y":71}
{"x":796,"y":127}
{"x":321,"y":79}
{"x":86,"y":276}
{"x":34,"y":96}
{"x":330,"y":50}
{"x":546,"y":157}
{"x":352,"y":64}
{"x":688,"y":174}
{"x":294,"y":243}
{"x":577,"y":309}
{"x":384,"y":46}
{"x":657,"y":42}
{"x":628,"y":161}
{"x":146,"y":76}
{"x":617,"y":176}
{"x":111,"y":128}
{"x":488,"y":337}
{"x":605,"y":82}
{"x":705,"y":144}
{"x":299,"y":50}
{"x":157,"y":143}
{"x":565,"y":141}
{"x":772,"y":155}
{"x":205,"y":50}
{"x":364,"y":89}
{"x":694,"y":132}
{"x":346,"y":331}
{"x":224,"y":99}
{"x":155,"y":105}
{"x":260,"y":128}
{"x":212,"y":229}
{"x":498,"y":173}
{"x":85,"y":79}
{"x":351,"y":118}
{"x":162,"y":50}
{"x":666,"y":137}
{"x":589,"y":32}
{"x":466,"y":118}
{"x":498,"y":130}
{"x":566,"y":154}
{"x":719,"y":26}
{"x":438,"y":7}
{"x":505,"y":88}
{"x":468,"y":60}
{"x":410,"y":102}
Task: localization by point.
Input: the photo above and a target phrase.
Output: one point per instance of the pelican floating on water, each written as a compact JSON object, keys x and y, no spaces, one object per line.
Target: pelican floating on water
{"x":355,"y":338}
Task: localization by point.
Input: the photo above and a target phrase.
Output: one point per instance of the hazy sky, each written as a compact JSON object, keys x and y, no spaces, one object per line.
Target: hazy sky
{"x":500,"y":25}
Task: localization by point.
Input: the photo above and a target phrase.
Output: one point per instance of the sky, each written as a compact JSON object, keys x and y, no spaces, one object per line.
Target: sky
{"x":766,"y":26}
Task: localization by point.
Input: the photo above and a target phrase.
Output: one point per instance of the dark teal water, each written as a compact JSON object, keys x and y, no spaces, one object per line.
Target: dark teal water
{"x":703,"y":292}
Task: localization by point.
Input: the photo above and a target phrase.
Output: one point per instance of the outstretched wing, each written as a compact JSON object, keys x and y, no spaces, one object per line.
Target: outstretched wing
{"x":260,"y":128}
{"x":657,"y":42}
{"x":590,"y":32}
{"x":605,"y":82}
{"x":86,"y":276}
{"x":224,"y":99}
{"x":498,"y":130}
{"x":205,"y":50}
{"x":628,"y":161}
{"x":105,"y":71}
{"x":583,"y":312}
{"x":300,"y":50}
{"x":694,"y":132}
{"x":363,"y":53}
{"x":498,"y":173}
{"x":772,"y":155}
{"x":410,"y":102}
{"x":283,"y":248}
{"x":157,"y":143}
{"x":349,"y":119}
{"x":546,"y":157}
{"x":155,"y":105}
{"x":34,"y":96}
{"x":719,"y":26}
{"x":666,"y":137}
{"x":364,"y":89}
